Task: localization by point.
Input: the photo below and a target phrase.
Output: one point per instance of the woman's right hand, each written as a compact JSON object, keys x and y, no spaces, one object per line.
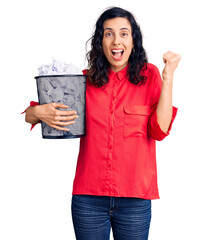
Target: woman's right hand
{"x":49,"y":114}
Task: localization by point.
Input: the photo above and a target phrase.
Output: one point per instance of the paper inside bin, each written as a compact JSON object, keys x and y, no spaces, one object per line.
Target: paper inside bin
{"x":63,"y":83}
{"x":58,"y":67}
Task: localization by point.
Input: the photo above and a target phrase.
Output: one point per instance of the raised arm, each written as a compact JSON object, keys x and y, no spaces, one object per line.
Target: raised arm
{"x":164,"y":107}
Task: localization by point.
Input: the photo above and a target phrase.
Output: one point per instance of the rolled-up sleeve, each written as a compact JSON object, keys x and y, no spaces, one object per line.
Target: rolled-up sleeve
{"x":154,"y":129}
{"x":32,"y":104}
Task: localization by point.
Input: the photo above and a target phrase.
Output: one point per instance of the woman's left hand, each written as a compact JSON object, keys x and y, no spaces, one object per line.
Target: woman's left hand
{"x":171,"y":61}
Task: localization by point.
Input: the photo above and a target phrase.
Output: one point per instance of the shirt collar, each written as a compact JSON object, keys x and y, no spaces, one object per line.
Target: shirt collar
{"x":120,"y":74}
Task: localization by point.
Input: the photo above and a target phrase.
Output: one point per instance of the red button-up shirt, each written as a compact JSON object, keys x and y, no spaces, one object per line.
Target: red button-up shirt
{"x":117,"y":157}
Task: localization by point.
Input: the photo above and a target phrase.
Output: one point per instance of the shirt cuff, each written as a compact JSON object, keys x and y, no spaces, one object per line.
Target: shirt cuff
{"x":154,"y":128}
{"x":32,"y":104}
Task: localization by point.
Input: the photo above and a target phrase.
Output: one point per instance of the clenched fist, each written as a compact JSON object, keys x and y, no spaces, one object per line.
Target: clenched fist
{"x":171,"y":61}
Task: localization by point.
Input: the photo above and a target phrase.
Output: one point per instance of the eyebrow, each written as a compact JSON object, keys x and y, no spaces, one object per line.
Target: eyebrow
{"x":120,"y":29}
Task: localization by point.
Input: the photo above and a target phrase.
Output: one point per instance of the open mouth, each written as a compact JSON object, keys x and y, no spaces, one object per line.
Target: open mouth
{"x":117,"y":53}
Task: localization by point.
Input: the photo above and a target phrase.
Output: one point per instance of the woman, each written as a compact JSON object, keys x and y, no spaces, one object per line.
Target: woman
{"x":128,"y":108}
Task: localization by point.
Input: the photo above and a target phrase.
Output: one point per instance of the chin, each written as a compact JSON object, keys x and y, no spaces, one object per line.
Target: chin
{"x":120,"y":64}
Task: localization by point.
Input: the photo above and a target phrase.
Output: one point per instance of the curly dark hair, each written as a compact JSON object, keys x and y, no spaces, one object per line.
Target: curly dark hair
{"x":98,"y":63}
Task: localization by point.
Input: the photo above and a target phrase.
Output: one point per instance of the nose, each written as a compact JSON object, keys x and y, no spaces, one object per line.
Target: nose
{"x":117,"y":40}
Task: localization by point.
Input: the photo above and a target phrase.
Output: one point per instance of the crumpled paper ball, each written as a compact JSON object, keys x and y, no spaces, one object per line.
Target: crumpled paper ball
{"x":58,"y":68}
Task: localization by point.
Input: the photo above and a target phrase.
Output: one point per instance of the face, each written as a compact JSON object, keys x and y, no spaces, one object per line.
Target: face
{"x":117,"y":42}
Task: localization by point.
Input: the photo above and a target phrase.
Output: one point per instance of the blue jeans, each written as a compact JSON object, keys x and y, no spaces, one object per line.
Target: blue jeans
{"x":94,"y":216}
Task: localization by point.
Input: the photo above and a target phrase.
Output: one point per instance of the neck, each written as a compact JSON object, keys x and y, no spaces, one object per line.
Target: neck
{"x":118,"y":68}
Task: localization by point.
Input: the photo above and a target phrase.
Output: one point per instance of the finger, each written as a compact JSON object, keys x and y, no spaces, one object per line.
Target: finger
{"x":60,"y":105}
{"x":60,"y":128}
{"x":165,"y":58}
{"x":64,"y":118}
{"x":59,"y":123}
{"x":170,"y":54}
{"x":65,"y":113}
{"x":169,"y":57}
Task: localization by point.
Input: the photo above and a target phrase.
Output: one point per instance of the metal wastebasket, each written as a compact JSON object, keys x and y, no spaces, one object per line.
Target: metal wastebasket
{"x":66,"y":89}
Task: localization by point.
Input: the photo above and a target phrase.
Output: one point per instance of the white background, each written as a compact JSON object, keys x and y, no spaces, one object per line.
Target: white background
{"x":36,"y":175}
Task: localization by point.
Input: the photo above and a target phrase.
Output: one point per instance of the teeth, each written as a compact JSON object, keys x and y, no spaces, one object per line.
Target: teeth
{"x":116,"y":51}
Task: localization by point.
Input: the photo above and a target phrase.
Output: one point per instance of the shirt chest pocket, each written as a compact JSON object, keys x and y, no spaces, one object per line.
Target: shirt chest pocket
{"x":136,"y":120}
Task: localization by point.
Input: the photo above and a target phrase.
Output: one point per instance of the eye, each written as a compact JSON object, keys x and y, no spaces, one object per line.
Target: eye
{"x":125,"y":34}
{"x":108,"y":34}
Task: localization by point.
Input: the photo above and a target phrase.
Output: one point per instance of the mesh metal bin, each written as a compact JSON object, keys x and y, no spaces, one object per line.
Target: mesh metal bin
{"x":66,"y":89}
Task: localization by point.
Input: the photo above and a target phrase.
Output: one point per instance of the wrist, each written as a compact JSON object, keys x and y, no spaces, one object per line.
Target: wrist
{"x":167,"y":79}
{"x":167,"y":86}
{"x":36,"y":112}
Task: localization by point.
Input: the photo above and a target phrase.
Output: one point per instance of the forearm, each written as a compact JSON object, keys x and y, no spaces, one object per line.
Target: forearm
{"x":164,"y":107}
{"x":31,"y":115}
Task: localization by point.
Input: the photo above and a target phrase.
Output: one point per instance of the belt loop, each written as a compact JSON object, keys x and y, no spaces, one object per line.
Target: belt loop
{"x":112,"y":202}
